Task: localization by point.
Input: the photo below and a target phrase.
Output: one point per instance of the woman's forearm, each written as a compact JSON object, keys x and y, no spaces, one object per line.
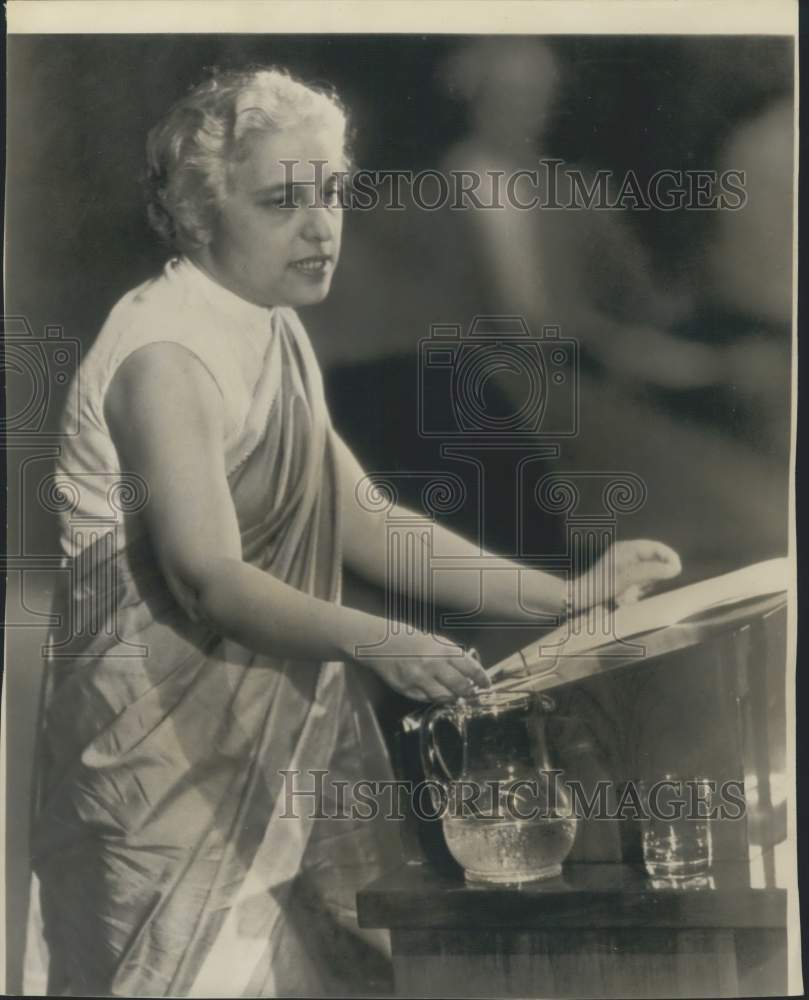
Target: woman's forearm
{"x":506,"y":583}
{"x":510,"y":589}
{"x":253,"y":608}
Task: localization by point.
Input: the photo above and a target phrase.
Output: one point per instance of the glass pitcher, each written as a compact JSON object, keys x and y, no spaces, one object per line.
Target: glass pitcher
{"x":507,"y":816}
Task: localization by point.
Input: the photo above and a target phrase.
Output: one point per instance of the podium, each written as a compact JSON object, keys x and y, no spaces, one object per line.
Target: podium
{"x":708,"y":699}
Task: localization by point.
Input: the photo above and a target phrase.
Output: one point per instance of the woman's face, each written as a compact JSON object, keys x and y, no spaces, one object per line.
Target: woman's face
{"x":276,"y":238}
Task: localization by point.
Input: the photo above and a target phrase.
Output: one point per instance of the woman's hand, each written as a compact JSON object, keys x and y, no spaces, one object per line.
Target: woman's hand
{"x":634,"y":567}
{"x":420,"y":666}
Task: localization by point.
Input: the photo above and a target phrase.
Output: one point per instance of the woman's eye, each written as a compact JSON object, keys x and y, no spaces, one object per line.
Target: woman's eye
{"x":279,"y":202}
{"x":333,"y":195}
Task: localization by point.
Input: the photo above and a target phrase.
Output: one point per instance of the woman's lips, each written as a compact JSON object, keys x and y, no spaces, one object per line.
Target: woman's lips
{"x":314,"y":266}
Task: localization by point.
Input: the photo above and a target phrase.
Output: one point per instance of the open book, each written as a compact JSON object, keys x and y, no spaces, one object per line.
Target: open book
{"x":599,"y":631}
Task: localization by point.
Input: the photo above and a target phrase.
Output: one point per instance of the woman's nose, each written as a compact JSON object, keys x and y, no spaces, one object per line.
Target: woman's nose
{"x":319,"y":224}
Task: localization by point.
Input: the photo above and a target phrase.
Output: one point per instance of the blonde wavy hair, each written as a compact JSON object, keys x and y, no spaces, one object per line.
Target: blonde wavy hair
{"x":190,"y":150}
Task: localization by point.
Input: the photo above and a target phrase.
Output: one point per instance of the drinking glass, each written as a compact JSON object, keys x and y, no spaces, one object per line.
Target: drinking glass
{"x":676,"y":831}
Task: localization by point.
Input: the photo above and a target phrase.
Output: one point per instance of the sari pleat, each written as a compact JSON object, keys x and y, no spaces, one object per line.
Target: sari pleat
{"x":167,"y":859}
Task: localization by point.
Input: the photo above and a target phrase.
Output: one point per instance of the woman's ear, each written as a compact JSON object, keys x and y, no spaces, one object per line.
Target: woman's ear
{"x":193,"y":226}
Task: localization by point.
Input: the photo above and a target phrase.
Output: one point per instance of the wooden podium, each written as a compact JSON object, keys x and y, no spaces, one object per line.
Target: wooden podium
{"x":707,"y":698}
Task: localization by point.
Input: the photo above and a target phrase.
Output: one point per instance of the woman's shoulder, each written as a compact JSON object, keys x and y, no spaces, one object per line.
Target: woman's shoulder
{"x":158,"y":313}
{"x":166,"y":309}
{"x":157,"y":302}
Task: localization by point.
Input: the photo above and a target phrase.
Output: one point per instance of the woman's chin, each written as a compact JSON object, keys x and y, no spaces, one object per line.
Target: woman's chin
{"x":310,"y":296}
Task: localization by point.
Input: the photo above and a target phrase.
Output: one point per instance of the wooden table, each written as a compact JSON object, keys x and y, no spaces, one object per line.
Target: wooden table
{"x":599,"y":931}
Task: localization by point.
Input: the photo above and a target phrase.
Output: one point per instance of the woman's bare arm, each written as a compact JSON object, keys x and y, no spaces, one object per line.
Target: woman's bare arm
{"x":634,"y":564}
{"x":165,"y":415}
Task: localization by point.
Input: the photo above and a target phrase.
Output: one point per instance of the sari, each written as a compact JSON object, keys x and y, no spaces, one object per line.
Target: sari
{"x":171,"y":858}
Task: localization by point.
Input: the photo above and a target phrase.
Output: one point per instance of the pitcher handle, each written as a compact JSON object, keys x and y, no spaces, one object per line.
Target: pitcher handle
{"x":430,"y":750}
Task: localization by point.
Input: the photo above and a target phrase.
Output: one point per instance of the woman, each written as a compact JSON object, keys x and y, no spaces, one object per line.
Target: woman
{"x":168,"y":859}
